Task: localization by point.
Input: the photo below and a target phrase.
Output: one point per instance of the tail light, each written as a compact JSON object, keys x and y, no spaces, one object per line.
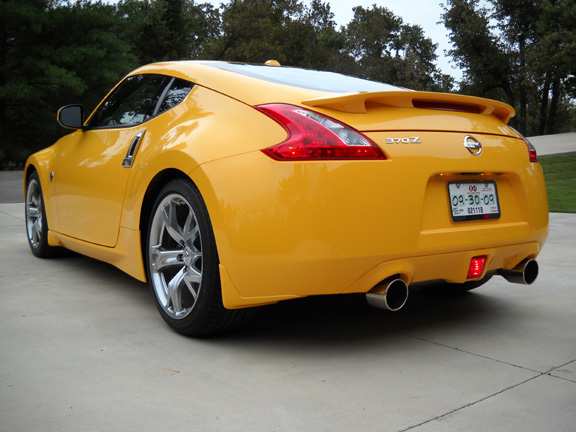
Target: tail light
{"x":313,"y":136}
{"x":531,"y":151}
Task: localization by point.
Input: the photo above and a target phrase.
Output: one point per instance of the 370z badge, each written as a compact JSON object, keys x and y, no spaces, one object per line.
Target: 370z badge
{"x":411,"y":140}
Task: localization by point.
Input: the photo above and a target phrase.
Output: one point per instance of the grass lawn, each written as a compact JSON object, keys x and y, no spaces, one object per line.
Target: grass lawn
{"x":560,"y":175}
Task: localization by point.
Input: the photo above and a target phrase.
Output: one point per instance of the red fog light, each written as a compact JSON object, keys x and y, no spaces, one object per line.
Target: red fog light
{"x":476,"y":267}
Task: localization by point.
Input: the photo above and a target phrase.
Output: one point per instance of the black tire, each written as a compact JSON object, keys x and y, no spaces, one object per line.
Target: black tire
{"x":36,"y":222}
{"x":182,"y":264}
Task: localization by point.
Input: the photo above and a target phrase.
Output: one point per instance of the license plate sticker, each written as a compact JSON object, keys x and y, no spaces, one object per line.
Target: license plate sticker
{"x":470,"y":201}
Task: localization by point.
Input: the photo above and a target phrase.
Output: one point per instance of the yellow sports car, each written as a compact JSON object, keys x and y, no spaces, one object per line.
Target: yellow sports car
{"x":228,"y":186}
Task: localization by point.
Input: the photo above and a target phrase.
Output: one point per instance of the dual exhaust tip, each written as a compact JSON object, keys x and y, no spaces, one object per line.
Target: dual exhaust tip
{"x":524,"y":273}
{"x":393,"y":294}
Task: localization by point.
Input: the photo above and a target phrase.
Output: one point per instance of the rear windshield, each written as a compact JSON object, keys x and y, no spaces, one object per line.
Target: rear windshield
{"x":308,"y":79}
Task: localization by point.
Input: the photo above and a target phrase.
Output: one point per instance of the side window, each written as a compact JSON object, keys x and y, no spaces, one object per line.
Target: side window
{"x":132,"y":103}
{"x":175,"y":94}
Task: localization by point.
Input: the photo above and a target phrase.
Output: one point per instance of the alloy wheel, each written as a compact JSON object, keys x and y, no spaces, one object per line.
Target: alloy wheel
{"x":34,"y":213}
{"x":175,"y":256}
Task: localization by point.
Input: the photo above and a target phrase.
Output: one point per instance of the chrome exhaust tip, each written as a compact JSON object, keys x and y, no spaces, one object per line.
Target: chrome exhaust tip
{"x":524,"y":273}
{"x":388,"y":295}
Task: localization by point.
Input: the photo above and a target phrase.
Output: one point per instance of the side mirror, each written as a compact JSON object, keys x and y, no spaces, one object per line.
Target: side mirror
{"x":71,"y":116}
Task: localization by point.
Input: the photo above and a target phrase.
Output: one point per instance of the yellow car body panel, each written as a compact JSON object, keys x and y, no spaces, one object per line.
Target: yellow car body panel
{"x":293,"y":229}
{"x":90,"y":183}
{"x":319,"y":228}
{"x":192,"y":141}
{"x":178,"y":140}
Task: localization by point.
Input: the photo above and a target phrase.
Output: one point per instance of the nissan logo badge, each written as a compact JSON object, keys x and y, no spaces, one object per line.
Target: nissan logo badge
{"x":473,"y":145}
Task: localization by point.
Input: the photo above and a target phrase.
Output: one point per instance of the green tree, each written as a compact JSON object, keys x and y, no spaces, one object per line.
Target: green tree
{"x":385,"y":49}
{"x":371,"y":39}
{"x":20,"y":23}
{"x":517,"y":24}
{"x":552,"y":57}
{"x":418,"y":69}
{"x":521,"y":52}
{"x":285,"y":30}
{"x":53,"y":53}
{"x":160,"y":30}
{"x":477,"y":51}
{"x":312,"y":40}
{"x":256,"y":30}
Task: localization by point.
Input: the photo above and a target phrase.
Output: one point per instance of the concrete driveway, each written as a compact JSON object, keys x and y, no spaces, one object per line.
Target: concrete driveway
{"x":82,"y":348}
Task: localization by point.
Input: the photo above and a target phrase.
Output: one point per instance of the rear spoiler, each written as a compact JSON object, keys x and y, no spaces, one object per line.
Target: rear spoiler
{"x":356,"y":102}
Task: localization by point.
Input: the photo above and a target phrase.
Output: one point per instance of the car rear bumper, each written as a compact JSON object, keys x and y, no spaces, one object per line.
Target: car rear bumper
{"x":287,"y":230}
{"x":450,"y":267}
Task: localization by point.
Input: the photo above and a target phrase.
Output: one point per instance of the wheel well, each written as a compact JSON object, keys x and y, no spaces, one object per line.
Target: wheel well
{"x":29,"y":170}
{"x":154,"y":188}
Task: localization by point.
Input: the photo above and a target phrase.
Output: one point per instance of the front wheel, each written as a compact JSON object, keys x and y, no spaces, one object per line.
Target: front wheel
{"x":36,"y":223}
{"x":182,"y":264}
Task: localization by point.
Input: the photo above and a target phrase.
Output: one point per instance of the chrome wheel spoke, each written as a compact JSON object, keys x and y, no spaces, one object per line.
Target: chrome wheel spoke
{"x":192,"y":282}
{"x":163,"y":259}
{"x":190,"y":231}
{"x":175,"y":292}
{"x":34,"y":208}
{"x":171,"y":222}
{"x":36,"y":231}
{"x":33,"y":212}
{"x":193,"y":279}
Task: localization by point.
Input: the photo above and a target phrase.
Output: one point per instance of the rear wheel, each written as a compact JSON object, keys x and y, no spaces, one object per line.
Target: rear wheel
{"x":182,"y":264}
{"x":36,"y":223}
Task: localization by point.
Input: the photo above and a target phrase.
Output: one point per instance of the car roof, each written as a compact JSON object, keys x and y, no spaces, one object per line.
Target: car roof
{"x":258,"y":84}
{"x":261,"y":84}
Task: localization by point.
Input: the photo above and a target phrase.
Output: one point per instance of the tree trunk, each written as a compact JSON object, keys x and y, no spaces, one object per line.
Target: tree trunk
{"x":544,"y":105}
{"x":551,"y":129}
{"x":522,"y":96}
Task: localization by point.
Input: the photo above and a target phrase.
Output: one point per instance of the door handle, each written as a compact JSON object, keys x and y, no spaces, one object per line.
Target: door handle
{"x":129,"y":158}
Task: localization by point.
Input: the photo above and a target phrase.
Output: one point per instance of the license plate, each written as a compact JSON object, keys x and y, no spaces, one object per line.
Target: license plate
{"x":473,"y":201}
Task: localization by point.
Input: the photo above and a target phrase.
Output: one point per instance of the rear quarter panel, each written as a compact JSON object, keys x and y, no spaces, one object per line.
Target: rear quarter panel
{"x":207,"y":126}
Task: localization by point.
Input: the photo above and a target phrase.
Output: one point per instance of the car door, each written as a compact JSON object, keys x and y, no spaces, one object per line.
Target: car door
{"x":93,"y":165}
